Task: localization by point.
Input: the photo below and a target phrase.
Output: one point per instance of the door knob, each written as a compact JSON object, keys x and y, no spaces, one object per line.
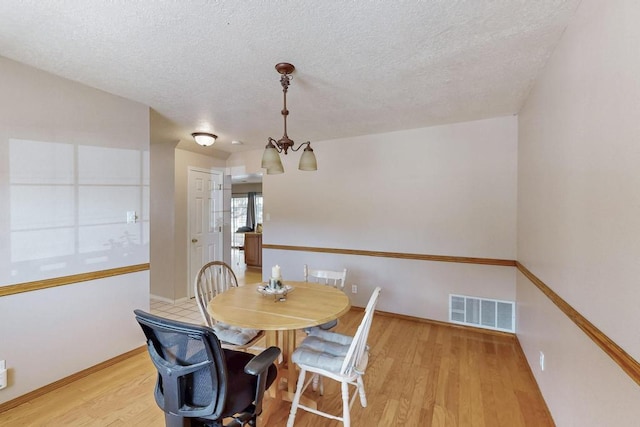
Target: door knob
{"x":194,"y":240}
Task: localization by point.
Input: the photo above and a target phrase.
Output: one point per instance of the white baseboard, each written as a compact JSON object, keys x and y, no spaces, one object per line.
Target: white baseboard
{"x":167,"y":300}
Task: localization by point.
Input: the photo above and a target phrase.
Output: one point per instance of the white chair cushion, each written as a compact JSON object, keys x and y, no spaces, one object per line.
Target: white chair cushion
{"x":318,"y":359}
{"x":233,"y":334}
{"x":323,"y":349}
{"x":331,"y":336}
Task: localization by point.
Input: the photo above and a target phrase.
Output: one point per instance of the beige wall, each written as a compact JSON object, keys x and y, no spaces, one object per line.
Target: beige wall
{"x":93,"y":157}
{"x":169,"y":251}
{"x":246,"y":188}
{"x":162,"y":248}
{"x":445,"y":190}
{"x":579,"y":214}
{"x":244,"y":163}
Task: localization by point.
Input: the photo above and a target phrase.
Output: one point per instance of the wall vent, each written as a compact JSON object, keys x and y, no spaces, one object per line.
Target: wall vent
{"x":482,"y":313}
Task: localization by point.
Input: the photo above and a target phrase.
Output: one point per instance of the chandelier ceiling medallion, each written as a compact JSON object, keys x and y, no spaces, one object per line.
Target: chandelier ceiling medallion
{"x":270,"y":158}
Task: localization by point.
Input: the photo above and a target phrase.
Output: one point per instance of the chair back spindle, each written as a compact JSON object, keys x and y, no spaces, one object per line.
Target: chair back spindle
{"x":326,"y":277}
{"x":213,"y":278}
{"x":357,"y":356}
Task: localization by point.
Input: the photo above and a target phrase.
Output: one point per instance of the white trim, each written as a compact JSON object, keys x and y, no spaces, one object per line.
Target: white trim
{"x":206,"y":170}
{"x":161,"y":299}
{"x":167,"y":300}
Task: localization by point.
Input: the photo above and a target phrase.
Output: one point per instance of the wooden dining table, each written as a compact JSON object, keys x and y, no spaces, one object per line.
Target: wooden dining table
{"x":306,"y":305}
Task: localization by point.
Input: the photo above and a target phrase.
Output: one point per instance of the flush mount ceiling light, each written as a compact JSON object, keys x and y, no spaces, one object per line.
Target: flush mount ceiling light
{"x":271,"y":158}
{"x":203,"y":138}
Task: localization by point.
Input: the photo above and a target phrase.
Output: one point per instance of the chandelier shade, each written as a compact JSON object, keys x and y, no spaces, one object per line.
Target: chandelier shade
{"x":205,"y":139}
{"x":308,"y":160}
{"x":271,"y":160}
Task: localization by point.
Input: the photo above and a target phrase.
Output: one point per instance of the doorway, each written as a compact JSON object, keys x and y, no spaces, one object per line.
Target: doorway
{"x":206,"y":219}
{"x":241,"y":187}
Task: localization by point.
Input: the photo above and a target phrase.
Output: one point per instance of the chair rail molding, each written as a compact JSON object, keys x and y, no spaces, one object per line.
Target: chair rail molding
{"x":398,"y":255}
{"x":613,"y":350}
{"x":69,"y":280}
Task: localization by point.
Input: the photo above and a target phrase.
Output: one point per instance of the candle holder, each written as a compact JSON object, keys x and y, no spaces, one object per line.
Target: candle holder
{"x":276,"y":288}
{"x":275,"y":283}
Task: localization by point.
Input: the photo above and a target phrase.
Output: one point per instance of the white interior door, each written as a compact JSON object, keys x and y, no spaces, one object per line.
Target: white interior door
{"x":205,"y":220}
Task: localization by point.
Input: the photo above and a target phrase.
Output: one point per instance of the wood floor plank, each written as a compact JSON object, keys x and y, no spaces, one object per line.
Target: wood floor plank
{"x":419,"y":374}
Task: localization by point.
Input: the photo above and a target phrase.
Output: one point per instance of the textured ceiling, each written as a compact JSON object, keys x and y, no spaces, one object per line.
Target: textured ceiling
{"x":362,"y":67}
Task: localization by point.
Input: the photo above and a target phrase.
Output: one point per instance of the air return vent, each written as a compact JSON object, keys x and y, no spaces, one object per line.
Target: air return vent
{"x":482,"y":312}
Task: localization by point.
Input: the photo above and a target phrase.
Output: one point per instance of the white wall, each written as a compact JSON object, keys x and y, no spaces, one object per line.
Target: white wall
{"x":579,"y":214}
{"x":50,"y":334}
{"x":445,"y":190}
{"x":73,"y":161}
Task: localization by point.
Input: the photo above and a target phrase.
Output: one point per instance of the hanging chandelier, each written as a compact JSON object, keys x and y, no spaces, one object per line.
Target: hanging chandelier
{"x":271,"y":157}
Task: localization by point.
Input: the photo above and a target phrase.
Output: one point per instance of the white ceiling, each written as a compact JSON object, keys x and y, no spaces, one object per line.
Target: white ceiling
{"x":362,"y":67}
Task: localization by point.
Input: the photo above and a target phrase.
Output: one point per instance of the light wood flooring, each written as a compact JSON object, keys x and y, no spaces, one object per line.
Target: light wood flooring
{"x":419,"y":374}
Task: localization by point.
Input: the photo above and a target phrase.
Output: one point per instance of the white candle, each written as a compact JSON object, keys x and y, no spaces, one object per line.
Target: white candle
{"x":275,"y":272}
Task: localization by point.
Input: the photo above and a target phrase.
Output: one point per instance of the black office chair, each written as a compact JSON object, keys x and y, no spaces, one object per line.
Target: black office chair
{"x":199,"y":383}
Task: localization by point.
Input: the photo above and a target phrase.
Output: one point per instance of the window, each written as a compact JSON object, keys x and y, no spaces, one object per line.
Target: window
{"x":239,"y":216}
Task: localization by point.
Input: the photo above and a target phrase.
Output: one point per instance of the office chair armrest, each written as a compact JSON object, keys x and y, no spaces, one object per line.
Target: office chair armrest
{"x":262,"y":361}
{"x":259,"y":366}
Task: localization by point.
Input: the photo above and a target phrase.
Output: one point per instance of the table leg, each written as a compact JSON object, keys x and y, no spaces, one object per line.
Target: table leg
{"x":271,"y":339}
{"x":290,"y":345}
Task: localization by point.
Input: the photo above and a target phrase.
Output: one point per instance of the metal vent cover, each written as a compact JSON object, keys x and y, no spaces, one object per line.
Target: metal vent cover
{"x":482,"y":312}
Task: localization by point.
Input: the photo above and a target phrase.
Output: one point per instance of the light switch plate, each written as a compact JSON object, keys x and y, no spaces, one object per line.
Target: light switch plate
{"x":131,"y":217}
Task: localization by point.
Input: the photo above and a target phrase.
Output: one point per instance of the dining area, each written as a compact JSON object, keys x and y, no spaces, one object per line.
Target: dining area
{"x":418,"y":373}
{"x":284,"y":331}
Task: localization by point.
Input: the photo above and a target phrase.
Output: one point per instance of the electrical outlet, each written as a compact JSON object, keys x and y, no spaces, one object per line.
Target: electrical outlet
{"x":541,"y":361}
{"x":354,"y":289}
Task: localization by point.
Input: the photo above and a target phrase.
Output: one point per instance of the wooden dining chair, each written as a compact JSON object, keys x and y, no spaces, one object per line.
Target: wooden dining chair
{"x":339,"y":357}
{"x":326,"y":277}
{"x":213,"y":278}
{"x":333,"y":278}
